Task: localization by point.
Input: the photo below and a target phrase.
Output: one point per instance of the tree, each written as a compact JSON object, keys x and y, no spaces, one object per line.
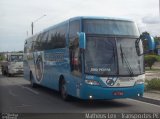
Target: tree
{"x":2,"y":57}
{"x":150,"y":60}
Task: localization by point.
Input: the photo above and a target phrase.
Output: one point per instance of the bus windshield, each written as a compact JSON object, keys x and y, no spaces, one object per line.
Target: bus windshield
{"x":110,"y":27}
{"x":100,"y":57}
{"x":112,"y":56}
{"x":16,"y":58}
{"x":129,"y":62}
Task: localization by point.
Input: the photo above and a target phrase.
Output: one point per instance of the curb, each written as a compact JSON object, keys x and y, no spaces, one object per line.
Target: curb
{"x":148,"y":100}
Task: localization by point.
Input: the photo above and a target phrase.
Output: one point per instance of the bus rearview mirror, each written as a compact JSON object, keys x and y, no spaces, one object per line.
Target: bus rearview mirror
{"x":148,"y":44}
{"x":149,"y":41}
{"x":82,"y":40}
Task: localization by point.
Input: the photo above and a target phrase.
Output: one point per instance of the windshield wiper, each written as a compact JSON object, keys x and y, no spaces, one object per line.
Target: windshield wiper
{"x":124,"y":59}
{"x":113,"y":56}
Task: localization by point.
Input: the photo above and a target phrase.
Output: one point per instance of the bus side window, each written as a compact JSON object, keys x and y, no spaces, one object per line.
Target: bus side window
{"x":75,"y":58}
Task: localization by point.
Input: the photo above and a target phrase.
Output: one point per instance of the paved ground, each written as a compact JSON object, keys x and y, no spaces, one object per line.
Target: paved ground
{"x":152,"y":74}
{"x":18,"y":96}
{"x":153,"y":94}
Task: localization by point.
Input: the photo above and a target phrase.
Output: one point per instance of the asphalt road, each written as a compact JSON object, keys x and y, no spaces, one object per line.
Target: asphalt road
{"x":17,"y":96}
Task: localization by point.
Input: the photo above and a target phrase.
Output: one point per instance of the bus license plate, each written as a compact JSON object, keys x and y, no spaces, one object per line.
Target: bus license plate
{"x":118,"y":93}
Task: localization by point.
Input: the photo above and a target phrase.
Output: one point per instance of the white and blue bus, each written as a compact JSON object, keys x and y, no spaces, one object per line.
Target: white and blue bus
{"x":88,"y":58}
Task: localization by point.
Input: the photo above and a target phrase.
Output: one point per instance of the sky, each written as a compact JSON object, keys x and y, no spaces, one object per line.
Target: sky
{"x":16,"y":16}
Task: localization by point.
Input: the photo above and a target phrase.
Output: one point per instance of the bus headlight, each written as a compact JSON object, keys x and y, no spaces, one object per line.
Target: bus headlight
{"x":92,"y":82}
{"x":140,"y":81}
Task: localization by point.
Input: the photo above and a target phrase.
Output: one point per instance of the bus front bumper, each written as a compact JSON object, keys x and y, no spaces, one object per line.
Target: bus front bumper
{"x":16,"y":71}
{"x":97,"y":92}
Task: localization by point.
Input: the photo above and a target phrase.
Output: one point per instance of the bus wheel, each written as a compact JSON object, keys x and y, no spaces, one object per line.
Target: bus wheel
{"x":8,"y":74}
{"x":32,"y":80}
{"x":3,"y":73}
{"x":63,"y":90}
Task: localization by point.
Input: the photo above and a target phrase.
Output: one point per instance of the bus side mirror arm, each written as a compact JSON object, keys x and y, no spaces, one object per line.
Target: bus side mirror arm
{"x":139,"y":52}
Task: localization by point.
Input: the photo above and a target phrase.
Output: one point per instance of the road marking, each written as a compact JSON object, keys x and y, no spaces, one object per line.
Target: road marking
{"x":144,"y":102}
{"x":11,"y":93}
{"x":29,"y":89}
{"x":24,"y":105}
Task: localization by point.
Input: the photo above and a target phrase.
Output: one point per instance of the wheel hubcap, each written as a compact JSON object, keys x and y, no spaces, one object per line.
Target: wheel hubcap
{"x":64,"y":94}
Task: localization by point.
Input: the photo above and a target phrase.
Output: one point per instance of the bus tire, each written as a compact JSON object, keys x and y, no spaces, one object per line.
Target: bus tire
{"x":3,"y":72}
{"x":8,"y":74}
{"x":32,"y":81}
{"x":63,"y":90}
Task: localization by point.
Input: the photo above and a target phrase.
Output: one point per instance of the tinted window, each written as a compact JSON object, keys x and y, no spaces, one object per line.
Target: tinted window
{"x":54,"y":38}
{"x":44,"y":41}
{"x":37,"y":43}
{"x":74,"y":28}
{"x":57,"y":37}
{"x":110,"y":27}
{"x":75,"y":58}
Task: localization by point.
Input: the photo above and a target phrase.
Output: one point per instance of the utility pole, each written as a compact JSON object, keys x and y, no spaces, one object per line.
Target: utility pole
{"x":32,"y":27}
{"x":32,"y":24}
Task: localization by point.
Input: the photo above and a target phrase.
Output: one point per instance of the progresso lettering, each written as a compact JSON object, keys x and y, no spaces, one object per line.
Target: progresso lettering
{"x":56,"y":57}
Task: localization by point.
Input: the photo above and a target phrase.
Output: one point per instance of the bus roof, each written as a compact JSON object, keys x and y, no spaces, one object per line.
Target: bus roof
{"x":78,"y":18}
{"x":99,"y":17}
{"x":86,"y":17}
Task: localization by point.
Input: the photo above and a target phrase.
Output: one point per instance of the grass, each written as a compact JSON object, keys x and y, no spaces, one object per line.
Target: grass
{"x":153,"y":84}
{"x":153,"y":69}
{"x":158,"y":58}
